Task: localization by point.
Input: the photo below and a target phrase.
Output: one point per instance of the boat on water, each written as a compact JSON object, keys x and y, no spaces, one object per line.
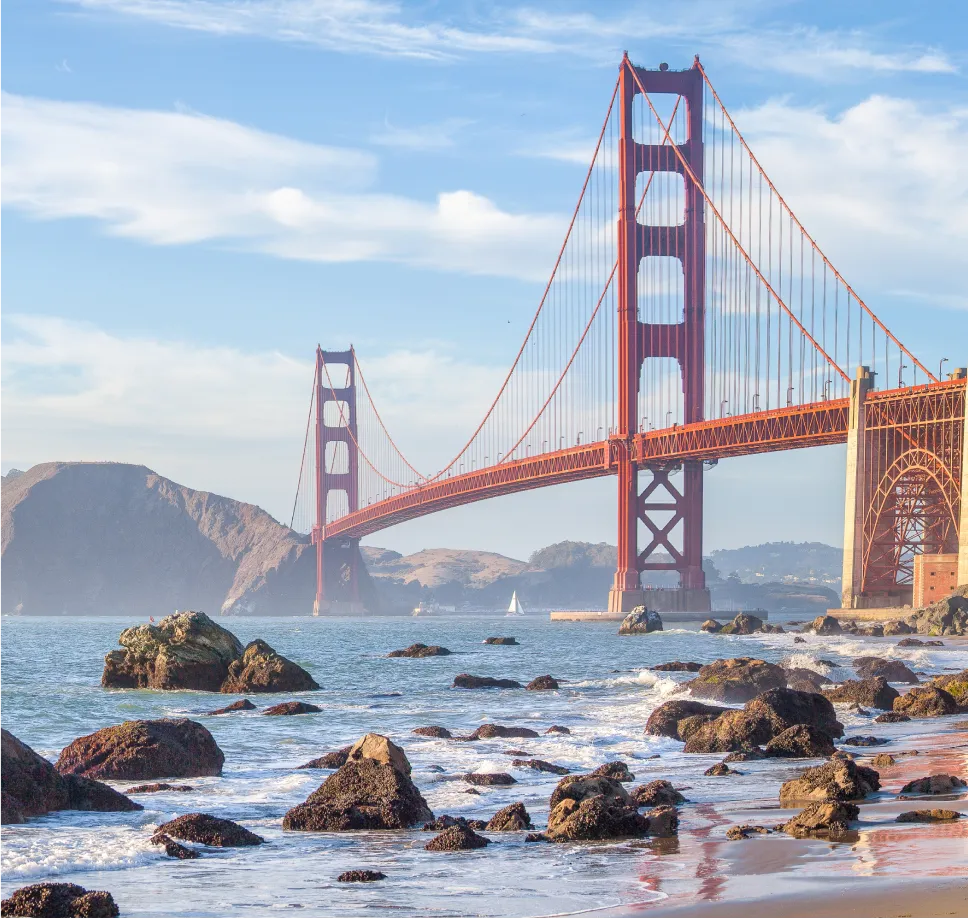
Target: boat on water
{"x":515,"y":608}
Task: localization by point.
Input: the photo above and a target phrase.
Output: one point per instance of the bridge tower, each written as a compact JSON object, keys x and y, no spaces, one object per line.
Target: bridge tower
{"x":671,"y":516}
{"x":338,"y":560}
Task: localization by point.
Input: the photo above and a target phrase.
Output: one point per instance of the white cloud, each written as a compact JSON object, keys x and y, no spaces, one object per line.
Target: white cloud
{"x":422,"y":137}
{"x":180,"y":177}
{"x":391,"y":28}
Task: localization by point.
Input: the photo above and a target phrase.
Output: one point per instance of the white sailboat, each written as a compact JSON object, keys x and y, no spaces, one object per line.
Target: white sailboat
{"x":515,"y":608}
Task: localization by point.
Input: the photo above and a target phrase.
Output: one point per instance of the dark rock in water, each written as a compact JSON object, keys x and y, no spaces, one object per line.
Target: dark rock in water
{"x":743,"y":624}
{"x":487,"y":731}
{"x":513,"y":752}
{"x":955,"y":684}
{"x":456,"y":839}
{"x":156,"y":787}
{"x":736,"y":680}
{"x":837,"y":780}
{"x":799,"y":641}
{"x":435,"y":768}
{"x":657,"y":793}
{"x":805,"y":680}
{"x":745,"y":831}
{"x":360,"y":875}
{"x":332,"y":760}
{"x":745,"y":756}
{"x":489,"y":778}
{"x":580,"y":787}
{"x":501,"y":640}
{"x":825,"y":625}
{"x":768,"y":628}
{"x":558,"y":729}
{"x":292,"y":708}
{"x":663,"y":821}
{"x":917,"y":643}
{"x":262,"y":669}
{"x":469,"y":681}
{"x":433,"y":730}
{"x":883,"y":761}
{"x":936,"y":815}
{"x":616,"y":770}
{"x":731,"y":732}
{"x":210,"y":831}
{"x":445,"y":822}
{"x":898,"y":627}
{"x":865,"y":740}
{"x":184,"y":651}
{"x":892,"y":671}
{"x":364,"y":794}
{"x":543,"y":682}
{"x":946,"y":617}
{"x":640,"y":621}
{"x":471,"y":791}
{"x":586,"y":807}
{"x":800,"y":741}
{"x":665,"y":720}
{"x":712,"y":626}
{"x":934,"y":785}
{"x":678,"y":667}
{"x":59,"y":900}
{"x":243,"y":705}
{"x":783,"y":708}
{"x":721,"y":769}
{"x":513,"y":817}
{"x":826,"y":818}
{"x":874,"y":693}
{"x":169,"y":747}
{"x":174,"y":849}
{"x":926,"y":702}
{"x":536,"y":837}
{"x":420,"y":650}
{"x":891,"y":718}
{"x":540,"y":765}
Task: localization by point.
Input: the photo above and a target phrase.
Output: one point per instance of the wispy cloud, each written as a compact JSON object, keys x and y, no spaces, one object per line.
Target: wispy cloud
{"x":180,"y":177}
{"x":437,"y":136}
{"x":385,"y":27}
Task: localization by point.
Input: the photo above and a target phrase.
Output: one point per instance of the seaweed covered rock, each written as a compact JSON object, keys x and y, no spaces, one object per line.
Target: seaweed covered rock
{"x":140,"y":750}
{"x":292,"y":708}
{"x":513,"y":817}
{"x":891,"y":718}
{"x":926,"y":702}
{"x":800,"y":742}
{"x":155,"y":787}
{"x":558,"y":729}
{"x":826,"y":818}
{"x":540,"y":765}
{"x":469,"y":681}
{"x":746,"y":831}
{"x":898,"y":627}
{"x":826,"y":625}
{"x":243,"y":705}
{"x":420,"y":650}
{"x":935,"y":815}
{"x":457,"y":838}
{"x":737,"y":679}
{"x":67,"y":900}
{"x":892,"y":671}
{"x":500,"y":640}
{"x":656,"y":794}
{"x":487,"y":731}
{"x":593,"y":808}
{"x":666,"y":719}
{"x":804,"y":679}
{"x":184,"y":651}
{"x":616,"y":770}
{"x":360,"y":875}
{"x":736,"y":730}
{"x":711,"y":626}
{"x":940,"y":784}
{"x":262,"y":669}
{"x":836,"y":780}
{"x":946,"y":617}
{"x":662,"y":821}
{"x":873,"y":693}
{"x":432,"y":730}
{"x":489,"y":778}
{"x":641,"y":621}
{"x":209,"y":831}
{"x":783,"y":708}
{"x":33,"y":787}
{"x":955,"y":684}
{"x":542,"y":683}
{"x":678,"y":667}
{"x":721,"y":769}
{"x":743,"y":624}
{"x":174,"y":849}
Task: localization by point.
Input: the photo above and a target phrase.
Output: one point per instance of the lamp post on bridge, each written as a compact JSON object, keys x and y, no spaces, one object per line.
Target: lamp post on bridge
{"x":943,"y":361}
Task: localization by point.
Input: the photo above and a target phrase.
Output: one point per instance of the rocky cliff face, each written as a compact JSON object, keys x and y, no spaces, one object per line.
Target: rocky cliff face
{"x":113,"y":538}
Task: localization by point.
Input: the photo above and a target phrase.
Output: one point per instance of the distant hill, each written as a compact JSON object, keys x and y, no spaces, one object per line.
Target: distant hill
{"x":113,"y":538}
{"x":787,"y":562}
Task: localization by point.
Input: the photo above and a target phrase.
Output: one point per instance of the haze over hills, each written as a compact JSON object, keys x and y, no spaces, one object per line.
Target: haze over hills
{"x":113,"y":538}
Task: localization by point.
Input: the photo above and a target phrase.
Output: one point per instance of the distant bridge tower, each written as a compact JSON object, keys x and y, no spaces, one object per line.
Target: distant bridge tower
{"x":338,"y":561}
{"x":671,"y":517}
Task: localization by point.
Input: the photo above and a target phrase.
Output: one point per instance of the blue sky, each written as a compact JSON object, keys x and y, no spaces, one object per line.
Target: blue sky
{"x":164,"y":286}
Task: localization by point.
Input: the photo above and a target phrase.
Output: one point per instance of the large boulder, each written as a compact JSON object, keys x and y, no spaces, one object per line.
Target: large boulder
{"x":593,"y":808}
{"x":580,"y":787}
{"x":935,"y":815}
{"x":33,"y":787}
{"x":804,"y":679}
{"x":657,"y":793}
{"x":677,"y":667}
{"x":457,"y":838}
{"x":139,"y":750}
{"x":513,"y":817}
{"x":184,"y":651}
{"x":825,"y":625}
{"x":420,"y":650}
{"x":433,"y":730}
{"x":666,"y":719}
{"x":926,"y":702}
{"x":897,"y":627}
{"x":892,"y":671}
{"x":640,"y":621}
{"x":837,"y":780}
{"x":291,"y":708}
{"x":934,"y":785}
{"x":783,"y":708}
{"x":615,"y":769}
{"x":210,"y":831}
{"x":487,"y":731}
{"x":743,"y":624}
{"x":540,"y":683}
{"x":49,"y":899}
{"x":736,"y":730}
{"x":871,"y":693}
{"x":946,"y":617}
{"x":711,"y":626}
{"x":826,"y":818}
{"x":469,"y":681}
{"x":261,"y":669}
{"x":738,"y":679}
{"x":799,"y":742}
{"x":364,"y":794}
{"x":955,"y":684}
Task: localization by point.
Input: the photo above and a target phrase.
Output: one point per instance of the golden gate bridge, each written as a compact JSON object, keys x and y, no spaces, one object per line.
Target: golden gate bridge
{"x":689,"y":317}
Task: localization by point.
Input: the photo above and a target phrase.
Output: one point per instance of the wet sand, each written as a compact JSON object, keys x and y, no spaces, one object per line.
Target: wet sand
{"x":884,"y":869}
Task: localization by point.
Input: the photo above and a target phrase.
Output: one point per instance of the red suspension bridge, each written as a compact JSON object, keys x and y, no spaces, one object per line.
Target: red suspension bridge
{"x":689,"y":317}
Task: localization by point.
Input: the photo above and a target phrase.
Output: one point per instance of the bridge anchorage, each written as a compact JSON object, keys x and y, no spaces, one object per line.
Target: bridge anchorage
{"x":689,"y":318}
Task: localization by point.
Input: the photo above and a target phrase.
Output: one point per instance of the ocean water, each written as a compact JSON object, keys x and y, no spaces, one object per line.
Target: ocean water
{"x":51,"y":694}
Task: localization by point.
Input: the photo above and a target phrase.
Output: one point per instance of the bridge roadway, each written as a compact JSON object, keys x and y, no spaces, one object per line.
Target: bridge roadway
{"x":812,"y":425}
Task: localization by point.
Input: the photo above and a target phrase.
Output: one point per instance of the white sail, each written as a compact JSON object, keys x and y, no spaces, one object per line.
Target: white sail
{"x":515,"y":608}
